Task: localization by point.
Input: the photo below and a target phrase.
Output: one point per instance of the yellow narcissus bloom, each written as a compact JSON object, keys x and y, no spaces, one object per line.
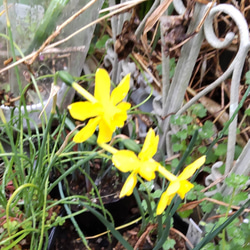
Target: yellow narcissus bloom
{"x":178,"y":185}
{"x":105,"y":110}
{"x":146,"y":166}
{"x":143,"y":164}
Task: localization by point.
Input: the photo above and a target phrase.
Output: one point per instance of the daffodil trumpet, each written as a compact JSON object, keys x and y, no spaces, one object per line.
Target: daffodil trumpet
{"x":104,"y":110}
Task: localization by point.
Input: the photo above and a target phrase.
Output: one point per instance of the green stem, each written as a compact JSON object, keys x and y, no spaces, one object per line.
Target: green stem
{"x":43,"y":214}
{"x":77,"y":228}
{"x":187,"y":152}
{"x":39,"y":165}
{"x":216,"y":231}
{"x":70,"y":170}
{"x":226,"y":216}
{"x":19,"y":189}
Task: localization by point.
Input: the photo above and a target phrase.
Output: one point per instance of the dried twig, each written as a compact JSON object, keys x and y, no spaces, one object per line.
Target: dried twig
{"x":182,"y":235}
{"x":193,"y":204}
{"x":144,"y":235}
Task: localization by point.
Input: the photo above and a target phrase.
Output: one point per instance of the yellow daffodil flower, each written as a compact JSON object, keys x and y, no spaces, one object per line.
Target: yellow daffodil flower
{"x":146,"y":166}
{"x":178,"y":185}
{"x":104,"y":109}
{"x":143,"y":164}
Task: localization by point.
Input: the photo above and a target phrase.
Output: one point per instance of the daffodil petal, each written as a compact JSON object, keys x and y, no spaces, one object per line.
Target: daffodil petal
{"x":150,"y":145}
{"x":147,"y":169}
{"x":191,"y":168}
{"x":87,"y":131}
{"x":167,"y":196}
{"x":124,"y":106}
{"x":164,"y":201}
{"x":120,"y":117}
{"x":185,"y":187}
{"x":105,"y":133}
{"x":125,"y":160}
{"x":102,"y":86}
{"x":84,"y":110}
{"x":119,"y":93}
{"x":129,"y":185}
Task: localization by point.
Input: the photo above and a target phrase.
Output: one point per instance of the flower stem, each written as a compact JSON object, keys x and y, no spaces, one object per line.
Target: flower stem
{"x":226,"y":215}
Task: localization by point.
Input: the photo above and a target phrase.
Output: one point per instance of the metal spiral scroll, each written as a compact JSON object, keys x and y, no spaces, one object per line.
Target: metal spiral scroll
{"x":235,"y":69}
{"x":236,"y":66}
{"x":179,"y":6}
